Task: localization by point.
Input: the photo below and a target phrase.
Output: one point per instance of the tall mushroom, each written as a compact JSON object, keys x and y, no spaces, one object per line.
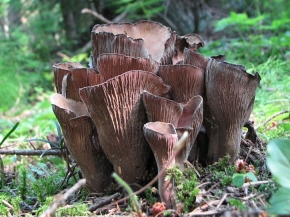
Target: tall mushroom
{"x":162,"y":138}
{"x":230,"y":93}
{"x":117,"y":110}
{"x":82,"y":142}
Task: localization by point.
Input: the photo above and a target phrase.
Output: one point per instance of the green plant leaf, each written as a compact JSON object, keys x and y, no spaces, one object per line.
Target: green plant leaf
{"x":278,"y":160}
{"x":9,"y":133}
{"x":238,"y":180}
{"x":280,"y":202}
{"x":251,"y":176}
{"x":285,"y":126}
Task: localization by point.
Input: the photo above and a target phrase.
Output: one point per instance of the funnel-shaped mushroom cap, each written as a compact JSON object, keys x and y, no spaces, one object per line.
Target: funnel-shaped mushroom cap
{"x":81,"y":141}
{"x":230,"y":92}
{"x":161,"y":109}
{"x":162,"y":138}
{"x":159,"y":40}
{"x":112,"y":65}
{"x":190,"y":120}
{"x":186,"y":81}
{"x":106,"y":42}
{"x":117,"y":110}
{"x":69,"y":77}
{"x":195,"y":59}
{"x":190,"y":41}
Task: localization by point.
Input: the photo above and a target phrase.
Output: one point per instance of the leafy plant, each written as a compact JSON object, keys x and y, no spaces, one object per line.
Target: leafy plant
{"x":237,"y":203}
{"x":222,"y":170}
{"x":278,"y":161}
{"x":185,"y":182}
{"x":150,"y":195}
{"x":13,"y":201}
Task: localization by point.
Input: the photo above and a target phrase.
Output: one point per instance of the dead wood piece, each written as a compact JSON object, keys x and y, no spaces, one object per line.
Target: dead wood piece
{"x":103,"y":201}
{"x":31,"y":152}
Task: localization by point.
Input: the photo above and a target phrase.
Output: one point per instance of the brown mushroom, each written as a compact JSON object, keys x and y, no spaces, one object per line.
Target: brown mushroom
{"x":162,"y":138}
{"x":119,"y":115}
{"x":230,"y":92}
{"x":191,"y":121}
{"x":161,"y":109}
{"x":186,"y":81}
{"x":112,"y":65}
{"x":158,"y":39}
{"x":191,"y":41}
{"x":82,"y":142}
{"x":69,"y":77}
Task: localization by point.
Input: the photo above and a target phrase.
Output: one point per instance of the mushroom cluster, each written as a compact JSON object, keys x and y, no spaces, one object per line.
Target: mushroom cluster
{"x":145,"y":86}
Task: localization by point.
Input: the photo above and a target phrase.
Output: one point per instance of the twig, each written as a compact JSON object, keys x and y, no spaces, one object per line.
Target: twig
{"x":221,"y":201}
{"x":10,"y":207}
{"x":255,"y":183}
{"x":275,"y":115}
{"x":104,"y":202}
{"x":30,"y":152}
{"x":62,"y":198}
{"x":94,"y":13}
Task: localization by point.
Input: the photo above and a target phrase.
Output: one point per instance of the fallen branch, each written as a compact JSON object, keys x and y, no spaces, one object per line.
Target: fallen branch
{"x":30,"y":152}
{"x":61,"y":198}
{"x":101,"y":202}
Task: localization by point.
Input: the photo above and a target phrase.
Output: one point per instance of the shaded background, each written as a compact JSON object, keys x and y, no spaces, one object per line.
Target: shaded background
{"x":35,"y":34}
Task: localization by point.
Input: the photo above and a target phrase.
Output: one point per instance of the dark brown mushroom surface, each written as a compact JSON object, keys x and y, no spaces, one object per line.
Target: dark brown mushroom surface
{"x":117,"y":110}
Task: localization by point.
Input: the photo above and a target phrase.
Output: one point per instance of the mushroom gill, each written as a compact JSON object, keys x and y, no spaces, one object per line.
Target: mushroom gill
{"x":117,"y":110}
{"x":230,"y":93}
{"x":82,"y":141}
{"x":162,"y":138}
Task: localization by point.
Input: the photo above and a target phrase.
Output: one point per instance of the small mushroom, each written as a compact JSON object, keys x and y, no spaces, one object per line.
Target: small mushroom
{"x":161,"y":109}
{"x":191,"y":121}
{"x":230,"y":93}
{"x":82,"y":142}
{"x":190,"y":41}
{"x":117,"y":110}
{"x":162,"y":138}
{"x":69,"y":77}
{"x":112,"y":65}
